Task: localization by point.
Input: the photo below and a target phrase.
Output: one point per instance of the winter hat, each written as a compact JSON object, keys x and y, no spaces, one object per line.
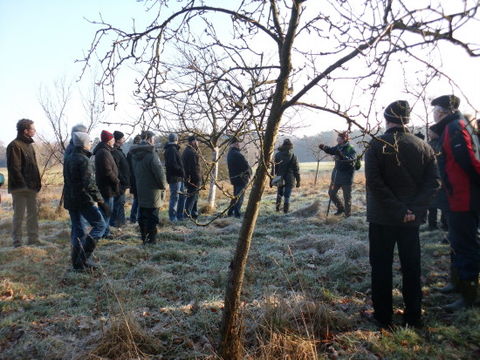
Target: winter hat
{"x":80,"y":139}
{"x":398,"y":112}
{"x":192,"y":138}
{"x":79,"y":128}
{"x":106,"y":136}
{"x":118,"y":135}
{"x":287,"y":142}
{"x":448,"y":102}
{"x":173,"y":138}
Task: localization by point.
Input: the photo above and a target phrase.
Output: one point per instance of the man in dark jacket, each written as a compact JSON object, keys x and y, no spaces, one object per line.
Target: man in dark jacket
{"x":118,"y":213}
{"x":106,"y":175}
{"x":175,"y":175}
{"x":193,"y":176}
{"x":150,"y":183}
{"x":342,"y":175}
{"x":23,"y":182}
{"x":81,"y":196}
{"x":401,"y":179}
{"x":239,"y":172}
{"x":286,"y":166}
{"x":134,"y":210}
{"x":459,"y":164}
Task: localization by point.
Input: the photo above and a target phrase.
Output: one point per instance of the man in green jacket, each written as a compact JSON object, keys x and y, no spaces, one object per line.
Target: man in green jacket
{"x":23,"y":182}
{"x":150,"y":183}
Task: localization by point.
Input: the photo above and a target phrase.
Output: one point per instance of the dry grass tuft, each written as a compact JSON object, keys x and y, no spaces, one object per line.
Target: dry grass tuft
{"x":125,"y":339}
{"x":222,"y":223}
{"x":285,"y":346}
{"x":47,"y":211}
{"x":206,"y":210}
{"x":310,"y":210}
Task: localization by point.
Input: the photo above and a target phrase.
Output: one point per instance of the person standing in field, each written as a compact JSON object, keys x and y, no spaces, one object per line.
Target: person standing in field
{"x":118,"y":214}
{"x":401,"y":179}
{"x":133,"y":190}
{"x":81,"y":196}
{"x":175,"y":175}
{"x":285,"y":166}
{"x":150,"y":184}
{"x":342,"y":174}
{"x":459,"y":164}
{"x":24,"y":182}
{"x":239,"y":172}
{"x":193,"y":176}
{"x":106,"y":175}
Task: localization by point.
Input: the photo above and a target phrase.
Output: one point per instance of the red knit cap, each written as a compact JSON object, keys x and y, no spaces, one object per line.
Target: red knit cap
{"x":106,"y":136}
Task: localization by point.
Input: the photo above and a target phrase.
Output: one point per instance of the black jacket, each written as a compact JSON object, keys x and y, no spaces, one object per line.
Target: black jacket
{"x":345,"y":157}
{"x":123,"y":168}
{"x":286,"y":165}
{"x":173,"y":163}
{"x":80,"y":189}
{"x":106,"y":171}
{"x":399,"y":177}
{"x":22,"y":165}
{"x":238,"y":168}
{"x":191,"y":165}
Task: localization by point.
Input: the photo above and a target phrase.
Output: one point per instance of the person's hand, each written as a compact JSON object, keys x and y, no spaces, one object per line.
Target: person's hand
{"x":321,"y":146}
{"x":409,"y":216}
{"x":298,"y":184}
{"x":105,"y":208}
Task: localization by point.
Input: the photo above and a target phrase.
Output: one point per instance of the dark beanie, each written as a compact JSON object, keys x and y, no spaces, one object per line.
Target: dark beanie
{"x":106,"y":136}
{"x":448,"y":102}
{"x":192,"y":138}
{"x":398,"y":112}
{"x":118,"y":135}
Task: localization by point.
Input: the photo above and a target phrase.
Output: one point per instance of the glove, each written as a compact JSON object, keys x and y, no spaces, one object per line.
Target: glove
{"x":105,"y":208}
{"x":321,"y":146}
{"x":298,"y":184}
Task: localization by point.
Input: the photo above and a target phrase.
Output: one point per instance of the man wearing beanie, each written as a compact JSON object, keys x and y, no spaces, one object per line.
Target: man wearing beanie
{"x":118,"y":213}
{"x":342,"y":174}
{"x":81,"y":196}
{"x":193,"y":176}
{"x":459,"y":164}
{"x":401,"y":179}
{"x":24,"y":182}
{"x":175,"y":175}
{"x":239,"y":172}
{"x":106,"y":175}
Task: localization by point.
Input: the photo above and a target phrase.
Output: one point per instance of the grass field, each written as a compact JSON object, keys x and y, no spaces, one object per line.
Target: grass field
{"x":306,"y":288}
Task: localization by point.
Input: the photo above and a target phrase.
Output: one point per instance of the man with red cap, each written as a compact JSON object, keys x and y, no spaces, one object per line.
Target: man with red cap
{"x":106,"y":175}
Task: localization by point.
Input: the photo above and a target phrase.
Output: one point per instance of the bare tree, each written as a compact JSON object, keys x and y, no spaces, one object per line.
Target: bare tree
{"x":331,"y":56}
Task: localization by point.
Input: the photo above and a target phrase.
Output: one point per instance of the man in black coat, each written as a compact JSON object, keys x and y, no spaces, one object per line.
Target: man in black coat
{"x":193,"y":176}
{"x":81,"y":196}
{"x":133,"y":187}
{"x":459,"y":164}
{"x":401,"y":179}
{"x":239,"y":172}
{"x":106,"y":175}
{"x":118,"y":213}
{"x":175,"y":175}
{"x":342,"y":174}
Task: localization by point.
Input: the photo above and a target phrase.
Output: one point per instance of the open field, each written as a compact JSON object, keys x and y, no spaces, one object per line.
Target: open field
{"x":307,"y":286}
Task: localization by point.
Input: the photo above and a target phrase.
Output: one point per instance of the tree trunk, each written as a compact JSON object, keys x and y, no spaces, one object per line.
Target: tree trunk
{"x":231,"y":331}
{"x":213,"y":178}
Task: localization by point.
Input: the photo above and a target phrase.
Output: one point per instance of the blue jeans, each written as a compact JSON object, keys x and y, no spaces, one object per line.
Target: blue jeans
{"x":286,"y":192}
{"x":109,"y":202}
{"x":93,"y":216}
{"x":134,"y":210}
{"x":182,"y":197}
{"x":174,"y":203}
{"x":236,"y":203}
{"x":118,"y":212}
{"x":191,"y":209}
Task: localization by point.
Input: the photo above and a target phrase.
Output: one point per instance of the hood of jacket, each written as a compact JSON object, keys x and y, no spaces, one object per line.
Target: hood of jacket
{"x":141,"y":150}
{"x":82,"y":150}
{"x":439,"y":127}
{"x":169,"y":145}
{"x":102,"y":145}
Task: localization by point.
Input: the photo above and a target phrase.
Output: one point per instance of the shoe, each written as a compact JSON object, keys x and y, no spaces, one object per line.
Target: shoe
{"x":468,"y":292}
{"x":417,"y":323}
{"x":339,"y":212}
{"x":381,"y":325}
{"x":108,"y":237}
{"x":452,"y":285}
{"x":286,"y":208}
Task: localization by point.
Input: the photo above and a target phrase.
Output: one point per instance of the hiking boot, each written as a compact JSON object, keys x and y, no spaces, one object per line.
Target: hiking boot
{"x":286,"y":208}
{"x":452,"y":285}
{"x":468,"y":292}
{"x":278,"y":203}
{"x":78,"y":258}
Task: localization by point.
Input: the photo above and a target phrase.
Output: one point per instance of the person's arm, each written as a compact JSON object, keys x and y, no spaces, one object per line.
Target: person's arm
{"x":330,"y":150}
{"x":88,"y":181}
{"x":14,"y":165}
{"x":296,"y":169}
{"x":430,"y":183}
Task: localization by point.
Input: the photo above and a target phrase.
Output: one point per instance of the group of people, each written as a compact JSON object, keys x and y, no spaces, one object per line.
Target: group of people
{"x":403,"y":174}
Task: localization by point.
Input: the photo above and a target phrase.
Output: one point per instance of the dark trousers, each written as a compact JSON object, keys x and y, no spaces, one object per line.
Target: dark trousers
{"x":236,"y":203}
{"x":118,"y":211}
{"x":285,"y":192}
{"x":93,"y":216}
{"x":347,"y":197}
{"x":463,"y":238}
{"x":382,"y":243}
{"x":191,"y":203}
{"x":109,"y":202}
{"x":432,"y":217}
{"x":134,"y":210}
{"x":148,"y":219}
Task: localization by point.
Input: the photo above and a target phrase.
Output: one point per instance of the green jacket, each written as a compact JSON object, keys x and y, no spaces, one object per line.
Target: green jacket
{"x":149,"y":174}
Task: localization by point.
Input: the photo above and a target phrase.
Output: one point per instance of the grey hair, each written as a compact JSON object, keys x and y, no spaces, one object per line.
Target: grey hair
{"x":79,"y":128}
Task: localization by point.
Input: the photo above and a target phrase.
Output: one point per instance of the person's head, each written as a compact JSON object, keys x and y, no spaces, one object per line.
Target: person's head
{"x":342,"y":137}
{"x":79,"y":128}
{"x":397,"y":114}
{"x":443,"y":106}
{"x":192,"y":140}
{"x":235,"y":142}
{"x":137,"y":139}
{"x":81,"y":139}
{"x":26,"y":127}
{"x":173,"y":138}
{"x":149,"y":137}
{"x":287,"y":145}
{"x":107,"y":138}
{"x":119,"y":138}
